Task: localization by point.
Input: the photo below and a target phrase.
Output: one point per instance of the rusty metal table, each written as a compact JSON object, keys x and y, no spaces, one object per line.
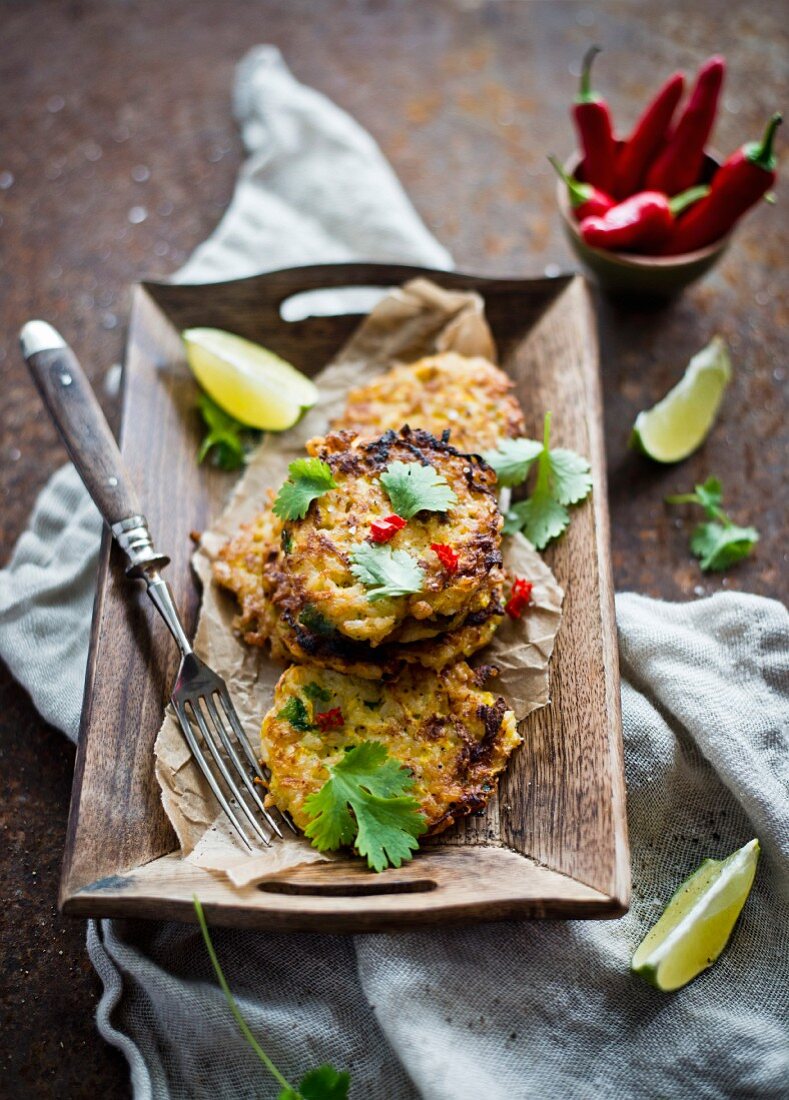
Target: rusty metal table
{"x":119,"y":155}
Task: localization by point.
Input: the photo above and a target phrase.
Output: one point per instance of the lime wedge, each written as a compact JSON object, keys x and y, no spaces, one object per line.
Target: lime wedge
{"x":677,"y":425}
{"x":698,"y":921}
{"x":252,"y":384}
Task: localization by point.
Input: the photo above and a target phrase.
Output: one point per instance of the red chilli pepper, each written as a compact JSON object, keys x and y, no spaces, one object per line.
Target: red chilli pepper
{"x":642,"y":223}
{"x":679,"y":165}
{"x":595,"y":130}
{"x":330,"y":719}
{"x":446,"y":555}
{"x":382,"y":530}
{"x":520,"y":598}
{"x":586,"y":201}
{"x":738,"y":184}
{"x":646,"y":141}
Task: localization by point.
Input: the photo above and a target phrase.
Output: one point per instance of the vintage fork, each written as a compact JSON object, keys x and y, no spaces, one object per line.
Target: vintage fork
{"x":201,"y":700}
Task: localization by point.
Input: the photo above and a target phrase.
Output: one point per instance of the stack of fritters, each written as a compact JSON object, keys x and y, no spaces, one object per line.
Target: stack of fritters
{"x":468,"y":397}
{"x":391,"y":668}
{"x":297,"y":590}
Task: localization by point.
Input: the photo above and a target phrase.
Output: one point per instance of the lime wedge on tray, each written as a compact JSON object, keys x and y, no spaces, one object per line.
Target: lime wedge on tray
{"x":246,"y":380}
{"x":698,"y":921}
{"x":677,"y":425}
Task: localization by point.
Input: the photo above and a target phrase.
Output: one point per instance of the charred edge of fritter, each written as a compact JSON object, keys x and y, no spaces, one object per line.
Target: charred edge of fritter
{"x":373,"y":456}
{"x":477,"y":618}
{"x":471,"y":803}
{"x":483,"y":673}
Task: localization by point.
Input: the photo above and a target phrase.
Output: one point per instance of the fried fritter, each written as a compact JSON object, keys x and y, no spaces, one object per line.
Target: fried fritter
{"x":470,"y":397}
{"x":248,"y":565}
{"x":315,"y":571}
{"x":454,"y":736}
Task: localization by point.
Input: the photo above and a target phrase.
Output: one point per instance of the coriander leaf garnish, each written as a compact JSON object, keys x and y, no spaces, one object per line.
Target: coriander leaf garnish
{"x":295,"y":712}
{"x":308,"y":479}
{"x":718,"y":546}
{"x":366,"y":802}
{"x":324,"y":1083}
{"x":571,"y":478}
{"x":386,"y":572}
{"x":224,"y":439}
{"x":414,"y":488}
{"x":718,"y":543}
{"x":513,"y":459}
{"x":317,"y":693}
{"x":563,"y":478}
{"x":540,"y":518}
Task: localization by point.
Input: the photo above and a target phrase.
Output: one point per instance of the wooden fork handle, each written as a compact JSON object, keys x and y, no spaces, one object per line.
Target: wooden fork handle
{"x":72,"y":404}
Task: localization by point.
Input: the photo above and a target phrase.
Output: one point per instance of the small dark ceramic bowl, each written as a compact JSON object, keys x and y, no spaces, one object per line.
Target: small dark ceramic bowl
{"x":625,"y":273}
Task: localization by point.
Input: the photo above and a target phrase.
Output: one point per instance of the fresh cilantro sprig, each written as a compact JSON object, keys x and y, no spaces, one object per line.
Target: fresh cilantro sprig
{"x":365,"y":802}
{"x":513,"y":459}
{"x":308,"y":479}
{"x":324,"y":1083}
{"x":563,"y":479}
{"x":718,"y":543}
{"x":414,"y":488}
{"x":386,"y":572}
{"x":226,"y":439}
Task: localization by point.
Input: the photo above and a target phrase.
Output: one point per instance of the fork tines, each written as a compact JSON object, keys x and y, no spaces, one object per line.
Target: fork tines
{"x":214,"y":734}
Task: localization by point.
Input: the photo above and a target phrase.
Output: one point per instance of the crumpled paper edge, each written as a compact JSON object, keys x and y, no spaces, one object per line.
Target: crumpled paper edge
{"x":417,"y":319}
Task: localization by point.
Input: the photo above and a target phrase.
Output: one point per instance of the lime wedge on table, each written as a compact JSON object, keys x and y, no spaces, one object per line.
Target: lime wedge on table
{"x":677,"y":425}
{"x":698,"y":920}
{"x":251,"y":383}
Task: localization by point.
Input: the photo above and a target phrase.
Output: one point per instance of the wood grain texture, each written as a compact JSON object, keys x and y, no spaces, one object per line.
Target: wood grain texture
{"x":555,"y":844}
{"x":71,"y":402}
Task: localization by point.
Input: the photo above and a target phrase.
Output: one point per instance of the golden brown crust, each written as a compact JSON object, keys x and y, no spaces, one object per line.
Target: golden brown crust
{"x":469,"y":397}
{"x":316,"y":570}
{"x":454,"y":736}
{"x":302,"y":636}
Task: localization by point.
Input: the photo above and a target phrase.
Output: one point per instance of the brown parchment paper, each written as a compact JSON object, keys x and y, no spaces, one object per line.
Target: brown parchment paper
{"x":417,"y":319}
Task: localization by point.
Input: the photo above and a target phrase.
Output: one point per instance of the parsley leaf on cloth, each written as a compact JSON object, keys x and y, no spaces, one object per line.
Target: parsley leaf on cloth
{"x":718,"y":543}
{"x":224,"y":439}
{"x":366,"y":802}
{"x":414,"y":488}
{"x":324,"y":1083}
{"x":308,"y":479}
{"x":512,"y":460}
{"x":563,"y":478}
{"x":386,"y":572}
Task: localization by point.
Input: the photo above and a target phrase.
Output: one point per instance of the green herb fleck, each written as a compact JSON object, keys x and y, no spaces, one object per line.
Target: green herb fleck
{"x":308,"y":479}
{"x":718,"y":543}
{"x":366,"y":803}
{"x":286,"y":541}
{"x":295,"y":712}
{"x":386,"y":572}
{"x":315,"y":621}
{"x":372,"y":704}
{"x":414,"y":488}
{"x":317,"y":693}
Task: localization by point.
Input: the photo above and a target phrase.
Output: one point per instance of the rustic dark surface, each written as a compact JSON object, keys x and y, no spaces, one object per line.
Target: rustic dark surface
{"x":118,"y":155}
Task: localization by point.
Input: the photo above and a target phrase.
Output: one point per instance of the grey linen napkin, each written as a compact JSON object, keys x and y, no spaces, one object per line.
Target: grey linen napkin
{"x":515,"y":1010}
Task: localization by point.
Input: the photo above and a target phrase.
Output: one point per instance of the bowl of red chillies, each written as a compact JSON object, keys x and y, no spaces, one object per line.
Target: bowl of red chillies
{"x":651,"y":213}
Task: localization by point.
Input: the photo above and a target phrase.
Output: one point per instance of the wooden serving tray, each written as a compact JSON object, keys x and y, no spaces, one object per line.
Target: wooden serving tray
{"x":555,"y":843}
